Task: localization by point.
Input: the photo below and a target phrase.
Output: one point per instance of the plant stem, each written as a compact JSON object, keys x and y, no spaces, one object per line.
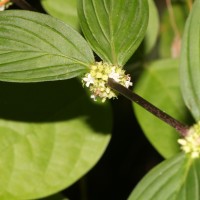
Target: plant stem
{"x":181,"y":128}
{"x":189,"y":2}
{"x":172,"y":18}
{"x":24,"y":5}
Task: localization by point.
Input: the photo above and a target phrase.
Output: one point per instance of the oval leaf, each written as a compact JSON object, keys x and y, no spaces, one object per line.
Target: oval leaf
{"x":37,"y":47}
{"x":114,"y":28}
{"x":190,"y":62}
{"x":175,"y":179}
{"x":42,"y":158}
{"x":65,"y":10}
{"x":159,"y":85}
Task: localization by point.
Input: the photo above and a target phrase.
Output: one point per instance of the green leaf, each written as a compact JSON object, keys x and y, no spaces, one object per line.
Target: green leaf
{"x":41,"y":158}
{"x":65,"y":10}
{"x":175,"y":179}
{"x":159,"y":84}
{"x":153,"y":27}
{"x":190,"y":62}
{"x":114,"y":28}
{"x":36,"y":47}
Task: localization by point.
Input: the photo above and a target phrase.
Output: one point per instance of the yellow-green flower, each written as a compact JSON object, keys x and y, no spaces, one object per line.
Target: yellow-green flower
{"x":96,"y":80}
{"x":191,"y":143}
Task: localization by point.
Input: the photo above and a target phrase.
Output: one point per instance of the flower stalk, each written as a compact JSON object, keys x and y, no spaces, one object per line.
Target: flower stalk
{"x":181,"y":128}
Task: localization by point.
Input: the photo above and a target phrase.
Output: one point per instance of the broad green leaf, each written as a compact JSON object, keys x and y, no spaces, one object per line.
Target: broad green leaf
{"x":41,"y":158}
{"x":114,"y":28}
{"x":159,"y":84}
{"x":175,"y":179}
{"x":190,"y":62}
{"x":152,"y":28}
{"x":65,"y":10}
{"x":36,"y":47}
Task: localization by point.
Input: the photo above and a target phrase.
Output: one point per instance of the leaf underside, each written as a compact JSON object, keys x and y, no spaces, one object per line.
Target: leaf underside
{"x":114,"y":28}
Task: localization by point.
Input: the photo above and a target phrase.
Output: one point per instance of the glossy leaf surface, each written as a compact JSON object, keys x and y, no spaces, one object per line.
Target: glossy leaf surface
{"x":114,"y":28}
{"x":159,"y":84}
{"x":175,"y":179}
{"x":51,"y":135}
{"x":190,"y":62}
{"x":65,"y":10}
{"x":36,"y":47}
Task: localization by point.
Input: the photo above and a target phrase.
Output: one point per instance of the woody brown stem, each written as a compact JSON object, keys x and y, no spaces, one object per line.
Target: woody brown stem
{"x":181,"y":128}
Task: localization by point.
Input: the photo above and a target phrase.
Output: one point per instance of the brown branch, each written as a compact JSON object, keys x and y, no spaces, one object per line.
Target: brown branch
{"x":24,"y":5}
{"x":181,"y":128}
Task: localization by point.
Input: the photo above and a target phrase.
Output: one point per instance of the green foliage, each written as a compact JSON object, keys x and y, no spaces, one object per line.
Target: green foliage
{"x":155,"y":79}
{"x":175,"y":179}
{"x":64,"y":10}
{"x":114,"y":28}
{"x":41,"y":158}
{"x":43,"y":155}
{"x":36,"y":47}
{"x":152,"y":28}
{"x":190,"y":63}
{"x":52,"y":154}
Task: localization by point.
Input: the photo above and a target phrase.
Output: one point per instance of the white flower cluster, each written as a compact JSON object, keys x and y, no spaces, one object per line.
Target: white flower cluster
{"x":4,"y":4}
{"x":96,"y":80}
{"x":191,"y":143}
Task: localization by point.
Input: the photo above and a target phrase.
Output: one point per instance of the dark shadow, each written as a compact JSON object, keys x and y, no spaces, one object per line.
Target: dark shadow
{"x":50,"y":102}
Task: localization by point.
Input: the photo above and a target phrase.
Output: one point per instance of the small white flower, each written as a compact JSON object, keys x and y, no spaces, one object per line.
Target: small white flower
{"x":114,"y":75}
{"x":89,"y":80}
{"x":182,"y":142}
{"x":2,"y":8}
{"x":128,"y":83}
{"x":195,"y":154}
{"x":97,"y":79}
{"x":93,"y":97}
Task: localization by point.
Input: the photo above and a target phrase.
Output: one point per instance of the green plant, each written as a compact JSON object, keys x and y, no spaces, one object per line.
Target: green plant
{"x":54,"y":152}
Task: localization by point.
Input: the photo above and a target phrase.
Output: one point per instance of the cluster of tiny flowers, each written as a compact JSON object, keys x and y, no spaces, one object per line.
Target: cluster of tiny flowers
{"x":96,"y":80}
{"x":191,"y":143}
{"x":4,"y":4}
